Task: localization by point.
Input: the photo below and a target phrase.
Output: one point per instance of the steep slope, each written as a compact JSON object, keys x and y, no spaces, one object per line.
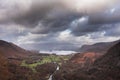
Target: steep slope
{"x":111,"y":57}
{"x":10,"y":50}
{"x":85,"y":59}
{"x":10,"y":54}
{"x":107,"y":67}
{"x":89,"y":53}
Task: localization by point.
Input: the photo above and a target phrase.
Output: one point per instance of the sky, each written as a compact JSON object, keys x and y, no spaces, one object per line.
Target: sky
{"x":59,"y":24}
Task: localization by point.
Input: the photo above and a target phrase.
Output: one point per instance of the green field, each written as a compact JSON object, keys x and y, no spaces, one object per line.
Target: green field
{"x":45,"y":59}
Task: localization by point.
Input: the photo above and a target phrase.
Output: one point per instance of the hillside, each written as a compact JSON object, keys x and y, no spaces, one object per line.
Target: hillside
{"x":106,"y":67}
{"x":19,"y":64}
{"x":98,"y":47}
{"x":10,"y":55}
{"x":11,"y":50}
{"x":4,"y":72}
{"x":89,"y":53}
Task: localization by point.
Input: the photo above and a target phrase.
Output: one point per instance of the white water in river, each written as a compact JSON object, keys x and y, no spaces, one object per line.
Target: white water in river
{"x":50,"y":78}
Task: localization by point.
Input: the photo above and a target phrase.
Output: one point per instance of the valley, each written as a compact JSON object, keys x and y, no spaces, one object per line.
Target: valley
{"x":40,"y":66}
{"x":59,"y":39}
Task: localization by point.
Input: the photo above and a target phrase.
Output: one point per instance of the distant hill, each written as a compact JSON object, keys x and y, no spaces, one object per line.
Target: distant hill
{"x":89,"y":53}
{"x":98,"y":47}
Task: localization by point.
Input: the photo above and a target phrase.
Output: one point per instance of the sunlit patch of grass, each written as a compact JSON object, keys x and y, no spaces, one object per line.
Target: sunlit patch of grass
{"x":46,"y":59}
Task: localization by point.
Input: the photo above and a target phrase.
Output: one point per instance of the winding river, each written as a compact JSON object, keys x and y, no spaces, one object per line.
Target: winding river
{"x":50,"y":78}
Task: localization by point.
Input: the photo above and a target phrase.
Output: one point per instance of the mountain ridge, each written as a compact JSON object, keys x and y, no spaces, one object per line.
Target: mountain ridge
{"x":101,"y":47}
{"x":11,"y":50}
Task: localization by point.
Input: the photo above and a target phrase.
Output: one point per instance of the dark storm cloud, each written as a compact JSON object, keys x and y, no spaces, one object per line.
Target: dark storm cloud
{"x":61,"y":15}
{"x":105,"y":18}
{"x":61,"y":22}
{"x":54,"y":16}
{"x":37,"y":12}
{"x":97,"y":22}
{"x":58,"y":24}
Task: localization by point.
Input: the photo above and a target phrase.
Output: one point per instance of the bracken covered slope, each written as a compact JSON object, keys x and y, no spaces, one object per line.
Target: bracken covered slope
{"x":107,"y":67}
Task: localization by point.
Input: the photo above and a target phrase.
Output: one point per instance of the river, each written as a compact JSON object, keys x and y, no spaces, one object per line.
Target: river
{"x":50,"y":78}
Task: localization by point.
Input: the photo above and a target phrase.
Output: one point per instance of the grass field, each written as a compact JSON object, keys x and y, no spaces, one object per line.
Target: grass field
{"x":45,"y":59}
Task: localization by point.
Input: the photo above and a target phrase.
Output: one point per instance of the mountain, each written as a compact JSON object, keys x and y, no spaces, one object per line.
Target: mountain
{"x":19,"y":64}
{"x":10,"y":54}
{"x":106,"y":67}
{"x":89,"y":53}
{"x":98,"y":47}
{"x":10,"y":50}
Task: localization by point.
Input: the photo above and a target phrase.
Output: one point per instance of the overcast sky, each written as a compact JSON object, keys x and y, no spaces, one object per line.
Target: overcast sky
{"x":59,"y":24}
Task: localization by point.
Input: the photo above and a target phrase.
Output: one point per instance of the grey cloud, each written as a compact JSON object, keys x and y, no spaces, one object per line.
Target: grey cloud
{"x":55,"y":16}
{"x":51,"y":46}
{"x":57,"y":24}
{"x":11,"y":32}
{"x":51,"y":17}
{"x":113,"y":30}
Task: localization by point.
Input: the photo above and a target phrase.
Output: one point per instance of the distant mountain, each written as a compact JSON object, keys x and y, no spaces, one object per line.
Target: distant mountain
{"x":89,"y":53}
{"x":98,"y":47}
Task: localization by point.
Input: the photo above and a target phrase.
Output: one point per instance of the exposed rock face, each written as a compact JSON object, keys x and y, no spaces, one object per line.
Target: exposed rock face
{"x":106,"y":67}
